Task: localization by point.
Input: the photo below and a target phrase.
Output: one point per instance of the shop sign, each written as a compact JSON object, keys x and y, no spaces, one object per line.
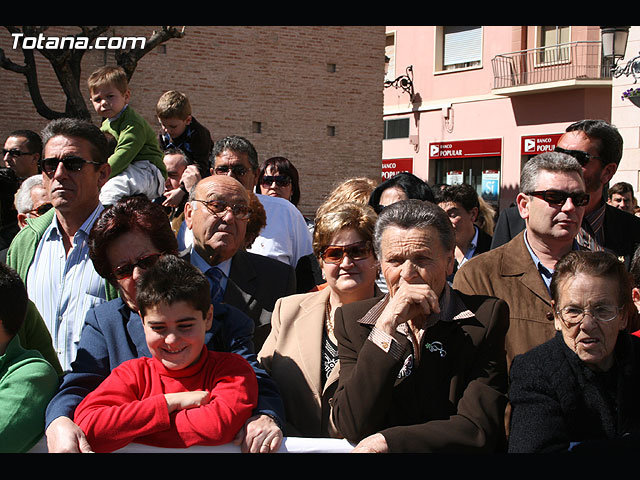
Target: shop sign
{"x":466,"y":149}
{"x":394,"y":166}
{"x":535,"y":144}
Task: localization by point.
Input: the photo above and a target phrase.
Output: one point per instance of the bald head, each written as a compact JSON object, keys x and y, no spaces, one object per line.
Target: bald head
{"x":216,"y":236}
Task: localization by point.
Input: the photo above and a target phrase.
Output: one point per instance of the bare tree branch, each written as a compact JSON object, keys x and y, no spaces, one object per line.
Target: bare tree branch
{"x":67,"y":63}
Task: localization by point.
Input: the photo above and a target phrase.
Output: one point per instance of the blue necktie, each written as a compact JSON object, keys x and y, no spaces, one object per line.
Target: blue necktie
{"x":214,"y":274}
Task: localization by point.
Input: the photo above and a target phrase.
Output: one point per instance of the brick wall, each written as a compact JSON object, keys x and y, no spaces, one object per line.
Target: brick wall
{"x":235,"y":76}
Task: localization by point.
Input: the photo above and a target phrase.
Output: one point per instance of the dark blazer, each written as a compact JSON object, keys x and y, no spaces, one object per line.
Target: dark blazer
{"x":255,"y":284}
{"x":113,"y":333}
{"x":509,"y":224}
{"x":454,"y":400}
{"x":558,"y":401}
{"x":621,"y":233}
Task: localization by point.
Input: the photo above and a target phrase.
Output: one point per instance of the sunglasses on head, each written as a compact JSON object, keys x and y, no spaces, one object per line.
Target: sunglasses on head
{"x":355,"y":251}
{"x":72,"y":163}
{"x":40,"y":210}
{"x":146,"y":262}
{"x":237,"y":170}
{"x":582,"y":157}
{"x":281,"y":180}
{"x":558,"y":197}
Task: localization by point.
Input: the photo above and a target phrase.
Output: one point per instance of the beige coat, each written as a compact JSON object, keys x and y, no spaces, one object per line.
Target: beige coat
{"x":291,"y":355}
{"x":508,"y":273}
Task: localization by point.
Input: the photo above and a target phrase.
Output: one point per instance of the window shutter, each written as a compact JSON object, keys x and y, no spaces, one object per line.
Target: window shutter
{"x":462,"y":45}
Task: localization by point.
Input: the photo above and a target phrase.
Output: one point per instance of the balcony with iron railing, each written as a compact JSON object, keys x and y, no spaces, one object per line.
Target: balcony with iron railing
{"x":567,"y":65}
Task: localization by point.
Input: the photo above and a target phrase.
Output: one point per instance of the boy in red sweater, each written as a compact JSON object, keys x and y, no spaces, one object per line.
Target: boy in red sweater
{"x":184,"y":394}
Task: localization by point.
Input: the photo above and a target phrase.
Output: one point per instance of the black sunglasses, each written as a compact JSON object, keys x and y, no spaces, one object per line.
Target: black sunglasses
{"x":281,"y":180}
{"x":237,"y":170}
{"x":125,"y":271}
{"x":14,"y":152}
{"x":72,"y":163}
{"x":582,"y":157}
{"x":558,"y":197}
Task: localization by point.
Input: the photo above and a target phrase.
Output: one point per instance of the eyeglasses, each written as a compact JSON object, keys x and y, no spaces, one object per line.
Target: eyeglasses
{"x":355,"y":251}
{"x":582,"y":157}
{"x":281,"y":180}
{"x":14,"y":152}
{"x":219,"y":207}
{"x":237,"y":170}
{"x":144,"y":263}
{"x":573,"y":315}
{"x":40,"y":210}
{"x":72,"y":163}
{"x":558,"y":197}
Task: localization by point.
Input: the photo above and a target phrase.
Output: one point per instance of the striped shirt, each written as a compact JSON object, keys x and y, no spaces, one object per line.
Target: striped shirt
{"x":65,"y":286}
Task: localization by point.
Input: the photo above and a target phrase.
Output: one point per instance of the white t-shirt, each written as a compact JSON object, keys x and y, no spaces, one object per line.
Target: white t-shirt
{"x":286,"y":236}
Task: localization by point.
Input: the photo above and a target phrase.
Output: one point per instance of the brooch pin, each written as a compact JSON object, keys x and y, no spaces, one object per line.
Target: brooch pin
{"x":436,"y":347}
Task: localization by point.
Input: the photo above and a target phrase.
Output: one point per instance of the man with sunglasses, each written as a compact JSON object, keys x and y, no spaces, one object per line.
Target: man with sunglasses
{"x":51,"y":253}
{"x":285,"y":237}
{"x":22,"y":151}
{"x":552,"y":202}
{"x":598,"y":147}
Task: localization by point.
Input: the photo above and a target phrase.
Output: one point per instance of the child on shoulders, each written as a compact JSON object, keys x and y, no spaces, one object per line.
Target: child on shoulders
{"x":136,"y":163}
{"x":184,"y":394}
{"x":181,"y":130}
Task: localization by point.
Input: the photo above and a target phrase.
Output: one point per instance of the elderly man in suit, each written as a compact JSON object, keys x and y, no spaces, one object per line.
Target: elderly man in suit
{"x":217,"y":213}
{"x":423,"y":368}
{"x":552,"y":202}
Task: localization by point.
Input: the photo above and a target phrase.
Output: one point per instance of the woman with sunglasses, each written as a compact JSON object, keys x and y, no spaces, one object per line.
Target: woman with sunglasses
{"x":580,"y":390}
{"x":300,"y":353}
{"x":278,"y":177}
{"x":128,"y":238}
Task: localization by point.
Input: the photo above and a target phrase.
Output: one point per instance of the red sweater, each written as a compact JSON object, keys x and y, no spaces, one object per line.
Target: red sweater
{"x":129,"y":405}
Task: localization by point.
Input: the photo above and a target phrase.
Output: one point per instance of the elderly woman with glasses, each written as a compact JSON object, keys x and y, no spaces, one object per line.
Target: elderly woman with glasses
{"x":127,"y":239}
{"x":300,"y":353}
{"x":580,"y":390}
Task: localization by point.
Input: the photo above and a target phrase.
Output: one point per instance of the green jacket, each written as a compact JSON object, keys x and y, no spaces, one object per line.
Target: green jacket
{"x":27,"y":384}
{"x":135,"y":139}
{"x":34,"y":334}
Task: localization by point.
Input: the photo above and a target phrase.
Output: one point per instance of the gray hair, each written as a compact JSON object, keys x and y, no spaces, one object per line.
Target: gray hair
{"x":23,"y":200}
{"x":550,"y":162}
{"x":75,"y":127}
{"x":413,"y":213}
{"x":235,"y":144}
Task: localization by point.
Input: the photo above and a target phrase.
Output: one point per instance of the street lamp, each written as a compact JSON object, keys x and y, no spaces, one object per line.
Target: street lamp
{"x":614,"y":45}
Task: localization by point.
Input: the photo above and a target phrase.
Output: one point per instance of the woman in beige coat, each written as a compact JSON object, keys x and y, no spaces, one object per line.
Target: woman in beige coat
{"x":301,"y":352}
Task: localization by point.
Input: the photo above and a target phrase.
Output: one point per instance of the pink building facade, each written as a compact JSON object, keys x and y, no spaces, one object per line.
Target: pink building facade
{"x":485,"y":99}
